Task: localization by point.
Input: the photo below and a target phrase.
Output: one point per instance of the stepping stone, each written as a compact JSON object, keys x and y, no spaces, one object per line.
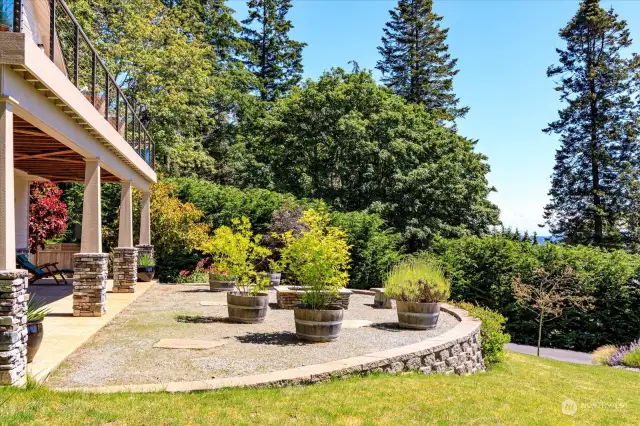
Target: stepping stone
{"x":356,"y":323}
{"x":188,"y":344}
{"x":212,"y":303}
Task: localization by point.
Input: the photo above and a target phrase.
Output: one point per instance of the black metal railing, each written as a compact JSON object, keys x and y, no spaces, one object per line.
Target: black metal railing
{"x":52,"y":25}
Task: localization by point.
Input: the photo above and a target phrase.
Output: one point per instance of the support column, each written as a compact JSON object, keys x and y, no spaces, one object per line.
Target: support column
{"x":145,"y":246}
{"x":125,"y":256}
{"x":90,"y":266}
{"x":13,"y":283}
{"x":7,"y":204}
{"x":13,"y":327}
{"x":22,"y":213}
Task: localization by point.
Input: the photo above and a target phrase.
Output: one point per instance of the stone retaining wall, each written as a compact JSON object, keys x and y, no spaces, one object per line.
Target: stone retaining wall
{"x":89,"y":284}
{"x":13,"y":327}
{"x":125,"y":269}
{"x":289,"y":298}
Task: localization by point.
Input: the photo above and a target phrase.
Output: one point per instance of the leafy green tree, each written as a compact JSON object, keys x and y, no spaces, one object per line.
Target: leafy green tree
{"x":598,"y":128}
{"x":345,"y":140}
{"x":273,"y":57}
{"x":416,"y":62}
{"x":177,"y":59}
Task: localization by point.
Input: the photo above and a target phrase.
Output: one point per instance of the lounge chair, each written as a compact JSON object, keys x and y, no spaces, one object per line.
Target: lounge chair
{"x":48,"y":270}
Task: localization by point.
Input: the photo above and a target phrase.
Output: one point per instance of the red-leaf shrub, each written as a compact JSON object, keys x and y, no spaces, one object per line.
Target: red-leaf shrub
{"x":48,"y":214}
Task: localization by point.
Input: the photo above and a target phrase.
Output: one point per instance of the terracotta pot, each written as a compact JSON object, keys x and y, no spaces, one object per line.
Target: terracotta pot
{"x":318,"y":325}
{"x":35,"y":332}
{"x":146,"y":273}
{"x":4,"y":28}
{"x":247,"y":309}
{"x":418,"y":316}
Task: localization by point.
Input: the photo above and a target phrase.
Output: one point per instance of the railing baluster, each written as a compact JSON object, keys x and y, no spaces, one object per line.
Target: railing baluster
{"x":106,"y":95}
{"x":126,"y":122}
{"x":118,"y":109}
{"x":52,"y":29}
{"x":76,"y":55}
{"x":17,"y":16}
{"x":93,"y":77}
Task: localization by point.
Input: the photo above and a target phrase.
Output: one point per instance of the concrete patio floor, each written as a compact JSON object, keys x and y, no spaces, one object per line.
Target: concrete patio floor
{"x":64,"y":333}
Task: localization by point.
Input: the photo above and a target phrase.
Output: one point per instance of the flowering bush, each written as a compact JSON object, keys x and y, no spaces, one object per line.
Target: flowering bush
{"x":48,"y":215}
{"x":200,"y":273}
{"x":624,"y":352}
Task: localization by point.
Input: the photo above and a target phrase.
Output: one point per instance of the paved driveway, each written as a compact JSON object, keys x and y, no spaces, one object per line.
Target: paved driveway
{"x":557,"y":354}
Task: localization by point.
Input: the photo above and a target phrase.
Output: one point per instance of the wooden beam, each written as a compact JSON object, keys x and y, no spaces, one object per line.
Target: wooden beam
{"x":30,"y":132}
{"x":44,"y":154}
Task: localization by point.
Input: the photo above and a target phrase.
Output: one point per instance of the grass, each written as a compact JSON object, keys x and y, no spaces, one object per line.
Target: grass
{"x":523,"y":390}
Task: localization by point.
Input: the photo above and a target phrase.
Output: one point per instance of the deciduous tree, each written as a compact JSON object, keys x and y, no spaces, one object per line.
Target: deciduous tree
{"x":47,"y":214}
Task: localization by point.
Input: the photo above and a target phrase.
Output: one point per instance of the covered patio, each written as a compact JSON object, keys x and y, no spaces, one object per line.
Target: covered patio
{"x":62,"y":122}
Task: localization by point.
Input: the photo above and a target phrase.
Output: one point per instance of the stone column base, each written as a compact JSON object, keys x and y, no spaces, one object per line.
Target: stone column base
{"x":13,"y":327}
{"x":145,"y":249}
{"x":125,"y":269}
{"x":89,"y":284}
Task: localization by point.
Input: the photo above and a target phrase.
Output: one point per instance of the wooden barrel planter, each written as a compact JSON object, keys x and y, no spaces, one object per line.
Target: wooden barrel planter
{"x":220,"y":283}
{"x":417,"y":316}
{"x":318,"y":325}
{"x":247,"y":309}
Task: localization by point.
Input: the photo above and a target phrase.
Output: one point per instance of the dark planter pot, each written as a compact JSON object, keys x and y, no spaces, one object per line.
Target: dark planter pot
{"x":318,"y":325}
{"x":418,"y":316}
{"x":247,"y":309}
{"x":220,"y":283}
{"x":146,"y":273}
{"x":35,"y":332}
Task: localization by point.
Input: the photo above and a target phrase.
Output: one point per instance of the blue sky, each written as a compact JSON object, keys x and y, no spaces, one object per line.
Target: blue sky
{"x":503,"y":50}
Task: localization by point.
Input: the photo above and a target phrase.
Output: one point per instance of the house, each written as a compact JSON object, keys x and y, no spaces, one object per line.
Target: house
{"x":63,"y":118}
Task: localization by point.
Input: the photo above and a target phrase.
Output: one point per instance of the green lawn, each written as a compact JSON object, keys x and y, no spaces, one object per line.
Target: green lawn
{"x":523,"y":390}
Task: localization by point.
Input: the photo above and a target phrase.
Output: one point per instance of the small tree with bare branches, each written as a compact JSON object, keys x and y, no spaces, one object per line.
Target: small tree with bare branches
{"x":550,"y":293}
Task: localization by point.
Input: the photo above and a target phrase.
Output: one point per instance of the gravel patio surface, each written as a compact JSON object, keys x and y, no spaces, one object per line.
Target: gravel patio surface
{"x":122,"y":352}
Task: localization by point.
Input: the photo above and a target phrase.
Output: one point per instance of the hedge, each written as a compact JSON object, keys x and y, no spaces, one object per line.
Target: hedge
{"x":482,"y":269}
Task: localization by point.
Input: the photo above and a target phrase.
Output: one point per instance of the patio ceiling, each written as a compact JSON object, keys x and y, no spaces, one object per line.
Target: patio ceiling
{"x":38,"y":154}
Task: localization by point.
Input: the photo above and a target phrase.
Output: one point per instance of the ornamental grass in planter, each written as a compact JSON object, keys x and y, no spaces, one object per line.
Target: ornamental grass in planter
{"x":36,"y":311}
{"x":146,"y":267}
{"x":419,"y":286}
{"x":236,"y":250}
{"x":318,"y":260}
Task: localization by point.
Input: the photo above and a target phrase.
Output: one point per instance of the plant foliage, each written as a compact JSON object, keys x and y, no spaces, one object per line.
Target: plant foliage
{"x":492,"y":332}
{"x":417,"y":279}
{"x":48,"y":214}
{"x":318,"y":259}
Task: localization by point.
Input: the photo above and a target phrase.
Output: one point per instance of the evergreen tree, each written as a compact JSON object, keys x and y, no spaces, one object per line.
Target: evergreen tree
{"x":415,"y":60}
{"x":273,"y":58}
{"x":598,"y":128}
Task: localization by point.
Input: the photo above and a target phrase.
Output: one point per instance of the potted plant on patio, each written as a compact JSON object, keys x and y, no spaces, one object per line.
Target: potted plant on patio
{"x":419,"y":286}
{"x":317,"y":259}
{"x":36,"y":311}
{"x":235,"y":250}
{"x":146,"y":267}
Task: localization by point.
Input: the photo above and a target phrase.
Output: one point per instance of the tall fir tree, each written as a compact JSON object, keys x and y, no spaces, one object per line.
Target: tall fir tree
{"x":273,"y":57}
{"x":598,"y":129}
{"x":416,"y":62}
